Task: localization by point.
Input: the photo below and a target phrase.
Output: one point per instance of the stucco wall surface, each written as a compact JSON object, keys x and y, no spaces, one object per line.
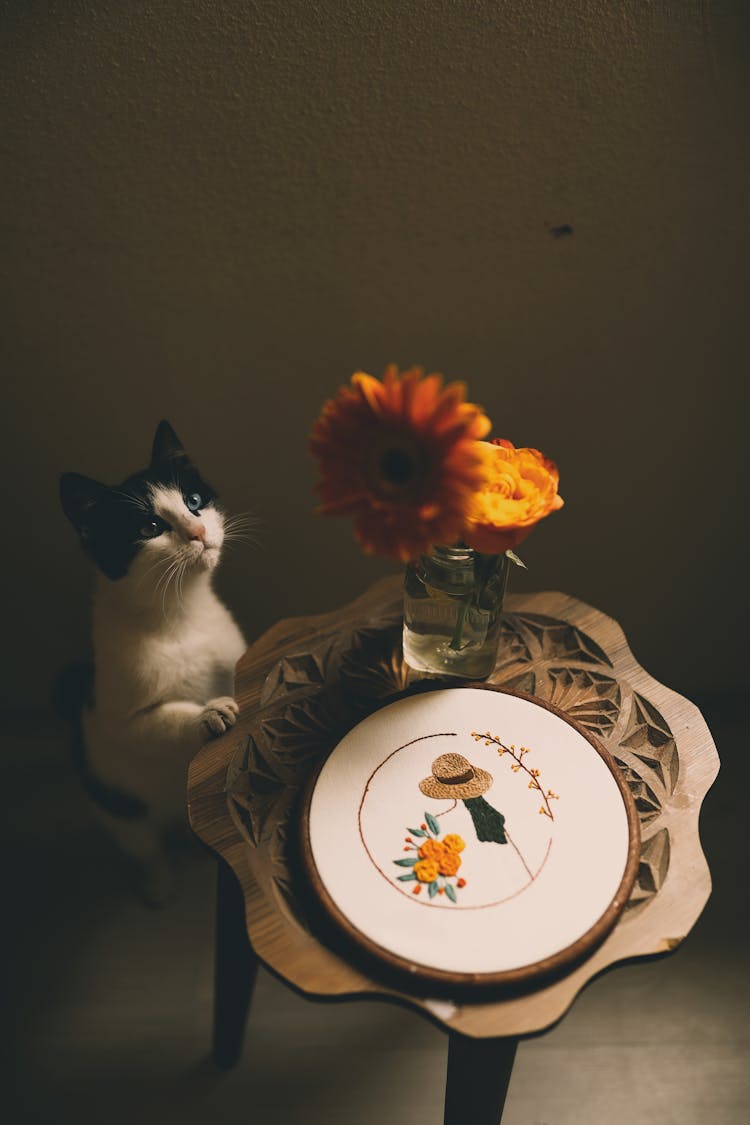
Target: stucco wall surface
{"x":216,"y":211}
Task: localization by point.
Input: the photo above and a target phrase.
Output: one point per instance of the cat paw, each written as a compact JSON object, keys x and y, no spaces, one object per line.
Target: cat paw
{"x":218,"y":716}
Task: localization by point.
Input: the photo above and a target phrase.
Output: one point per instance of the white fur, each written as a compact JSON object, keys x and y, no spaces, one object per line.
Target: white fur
{"x":165,"y":648}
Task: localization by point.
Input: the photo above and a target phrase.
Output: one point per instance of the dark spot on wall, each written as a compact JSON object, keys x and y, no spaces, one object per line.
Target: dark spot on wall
{"x":558,"y":232}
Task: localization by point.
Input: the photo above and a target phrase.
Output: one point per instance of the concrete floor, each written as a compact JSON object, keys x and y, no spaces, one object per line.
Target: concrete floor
{"x":108,"y":1006}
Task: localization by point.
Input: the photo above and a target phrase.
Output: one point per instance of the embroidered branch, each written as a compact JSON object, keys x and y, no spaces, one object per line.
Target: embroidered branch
{"x":518,"y":757}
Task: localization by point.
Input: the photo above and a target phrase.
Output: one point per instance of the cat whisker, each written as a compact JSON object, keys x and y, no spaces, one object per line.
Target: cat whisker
{"x":242,"y":528}
{"x":166,"y":578}
{"x":154,"y":565}
{"x":245,"y":541}
{"x":244,"y":521}
{"x":160,"y":562}
{"x":245,"y":536}
{"x":173,"y":576}
{"x":136,"y":501}
{"x":180,"y":579}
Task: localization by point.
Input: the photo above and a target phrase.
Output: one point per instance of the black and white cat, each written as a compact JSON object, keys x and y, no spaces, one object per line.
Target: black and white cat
{"x":165,"y":646}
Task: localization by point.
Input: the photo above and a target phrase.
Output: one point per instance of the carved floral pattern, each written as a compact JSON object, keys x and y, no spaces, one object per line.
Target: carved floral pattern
{"x":652,"y":870}
{"x":651,"y":741}
{"x":591,"y":698}
{"x":646,"y":801}
{"x":373,"y":668}
{"x":311,"y":697}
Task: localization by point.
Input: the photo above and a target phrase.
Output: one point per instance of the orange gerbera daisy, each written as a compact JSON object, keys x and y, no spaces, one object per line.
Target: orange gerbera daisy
{"x":401,"y":457}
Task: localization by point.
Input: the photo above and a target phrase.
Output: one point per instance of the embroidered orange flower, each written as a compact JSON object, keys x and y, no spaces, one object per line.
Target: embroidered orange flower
{"x":520,"y":491}
{"x":431,"y":849}
{"x":402,"y":457}
{"x":449,"y":863}
{"x":453,"y":843}
{"x":426,"y":870}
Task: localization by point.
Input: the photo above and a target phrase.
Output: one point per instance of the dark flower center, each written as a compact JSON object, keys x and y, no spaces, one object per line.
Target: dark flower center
{"x":397,"y":466}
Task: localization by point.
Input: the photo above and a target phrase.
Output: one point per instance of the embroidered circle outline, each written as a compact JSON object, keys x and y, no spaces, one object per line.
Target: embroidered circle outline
{"x":427,"y":902}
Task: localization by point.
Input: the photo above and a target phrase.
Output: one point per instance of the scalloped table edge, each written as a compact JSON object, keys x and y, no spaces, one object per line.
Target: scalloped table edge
{"x":294,"y":955}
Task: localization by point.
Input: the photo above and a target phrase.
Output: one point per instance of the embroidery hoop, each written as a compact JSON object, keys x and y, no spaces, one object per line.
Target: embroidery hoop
{"x":456,"y":982}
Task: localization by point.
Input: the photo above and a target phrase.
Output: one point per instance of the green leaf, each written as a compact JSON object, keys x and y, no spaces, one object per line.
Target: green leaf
{"x":433,"y":889}
{"x":450,"y":892}
{"x":515,"y":559}
{"x":405,"y":862}
{"x":432,"y":824}
{"x":416,"y":831}
{"x":410,"y":878}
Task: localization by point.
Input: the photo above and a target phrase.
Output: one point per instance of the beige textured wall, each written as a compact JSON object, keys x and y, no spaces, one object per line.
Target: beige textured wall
{"x":215,"y":211}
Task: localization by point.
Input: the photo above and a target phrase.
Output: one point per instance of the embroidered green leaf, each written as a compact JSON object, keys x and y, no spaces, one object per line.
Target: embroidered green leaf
{"x":433,"y":888}
{"x":411,"y":877}
{"x":406,"y":862}
{"x":432,"y":824}
{"x":450,"y":892}
{"x":416,"y":831}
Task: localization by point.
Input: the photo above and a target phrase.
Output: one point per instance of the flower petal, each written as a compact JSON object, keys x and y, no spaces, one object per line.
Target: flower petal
{"x":401,"y":456}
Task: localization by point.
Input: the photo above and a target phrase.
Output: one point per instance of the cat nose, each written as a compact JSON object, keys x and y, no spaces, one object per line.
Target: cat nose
{"x":197,"y":531}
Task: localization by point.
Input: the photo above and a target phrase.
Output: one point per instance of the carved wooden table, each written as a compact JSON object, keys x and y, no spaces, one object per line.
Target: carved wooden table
{"x":304,"y":684}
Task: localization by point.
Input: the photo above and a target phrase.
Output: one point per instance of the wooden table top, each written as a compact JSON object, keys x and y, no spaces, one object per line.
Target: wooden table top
{"x":307,"y":681}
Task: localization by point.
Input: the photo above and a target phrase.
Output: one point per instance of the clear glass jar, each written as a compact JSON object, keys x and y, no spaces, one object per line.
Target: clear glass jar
{"x":453,"y":602}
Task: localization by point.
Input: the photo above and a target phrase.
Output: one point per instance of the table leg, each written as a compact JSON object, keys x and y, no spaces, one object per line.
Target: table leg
{"x":478,"y":1077}
{"x":235,"y":969}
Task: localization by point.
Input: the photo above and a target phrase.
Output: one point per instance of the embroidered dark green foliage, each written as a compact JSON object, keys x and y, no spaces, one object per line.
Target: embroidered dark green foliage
{"x":416,"y":832}
{"x":432,"y":824}
{"x":488,"y":822}
{"x":405,"y":862}
{"x":433,"y":888}
{"x":450,"y":892}
{"x":411,"y":877}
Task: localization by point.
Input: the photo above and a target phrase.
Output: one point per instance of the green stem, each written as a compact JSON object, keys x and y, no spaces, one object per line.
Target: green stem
{"x":458,"y":632}
{"x":485,"y":566}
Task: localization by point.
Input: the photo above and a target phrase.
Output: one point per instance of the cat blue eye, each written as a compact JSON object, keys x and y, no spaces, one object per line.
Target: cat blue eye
{"x":194,"y":501}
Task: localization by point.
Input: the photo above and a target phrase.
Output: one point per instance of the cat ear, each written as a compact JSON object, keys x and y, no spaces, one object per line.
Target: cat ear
{"x":167,"y":446}
{"x":79,"y":497}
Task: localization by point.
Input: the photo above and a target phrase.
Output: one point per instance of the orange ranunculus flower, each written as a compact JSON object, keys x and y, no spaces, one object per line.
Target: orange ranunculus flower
{"x":454,"y":843}
{"x":401,"y":456}
{"x":431,"y":849}
{"x":520,"y":491}
{"x":426,"y":870}
{"x":449,"y":863}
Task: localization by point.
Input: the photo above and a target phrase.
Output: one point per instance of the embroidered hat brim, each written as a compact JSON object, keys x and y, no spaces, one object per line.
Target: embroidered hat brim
{"x":462,"y":791}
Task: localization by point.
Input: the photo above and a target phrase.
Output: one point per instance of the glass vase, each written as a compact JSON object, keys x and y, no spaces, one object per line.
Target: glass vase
{"x":453,"y":602}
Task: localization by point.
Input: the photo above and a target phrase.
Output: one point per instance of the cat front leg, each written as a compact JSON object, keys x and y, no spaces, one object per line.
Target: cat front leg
{"x":219,"y":715}
{"x":182,"y":724}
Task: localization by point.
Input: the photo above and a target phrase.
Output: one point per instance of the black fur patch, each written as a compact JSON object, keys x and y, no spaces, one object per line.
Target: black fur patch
{"x":110,"y":520}
{"x":75,"y":690}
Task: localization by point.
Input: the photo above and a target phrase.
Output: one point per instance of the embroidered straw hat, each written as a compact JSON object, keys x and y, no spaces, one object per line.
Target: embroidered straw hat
{"x":455,"y":778}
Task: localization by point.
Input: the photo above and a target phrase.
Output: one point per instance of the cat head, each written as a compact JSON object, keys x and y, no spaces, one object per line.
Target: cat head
{"x":159,"y":522}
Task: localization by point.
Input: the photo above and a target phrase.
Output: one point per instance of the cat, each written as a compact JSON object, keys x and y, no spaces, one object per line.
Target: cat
{"x":164,"y":646}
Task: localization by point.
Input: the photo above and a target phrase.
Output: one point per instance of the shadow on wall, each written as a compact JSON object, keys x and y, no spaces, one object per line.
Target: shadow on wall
{"x":217,"y":218}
